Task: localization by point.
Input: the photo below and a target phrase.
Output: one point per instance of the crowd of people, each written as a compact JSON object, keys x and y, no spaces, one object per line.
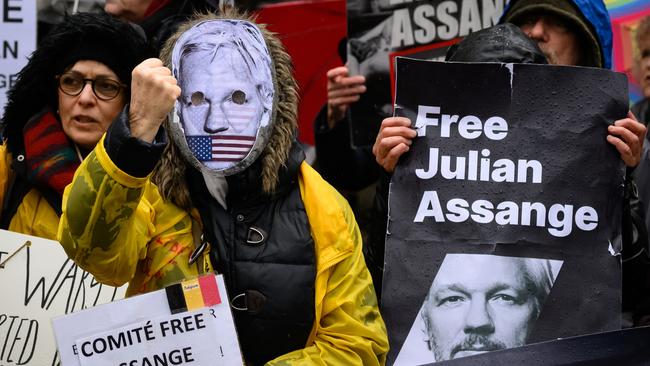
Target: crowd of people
{"x":176,"y":137}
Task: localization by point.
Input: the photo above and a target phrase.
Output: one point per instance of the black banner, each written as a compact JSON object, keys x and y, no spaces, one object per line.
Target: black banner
{"x":621,"y":347}
{"x":379,"y":30}
{"x":504,"y":217}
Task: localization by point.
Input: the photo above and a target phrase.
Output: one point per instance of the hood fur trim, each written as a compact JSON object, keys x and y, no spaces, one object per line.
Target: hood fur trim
{"x":169,"y":175}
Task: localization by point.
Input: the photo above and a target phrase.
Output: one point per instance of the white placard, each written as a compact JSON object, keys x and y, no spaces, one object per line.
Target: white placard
{"x":38,"y":283}
{"x":143,"y":331}
{"x":17,"y":41}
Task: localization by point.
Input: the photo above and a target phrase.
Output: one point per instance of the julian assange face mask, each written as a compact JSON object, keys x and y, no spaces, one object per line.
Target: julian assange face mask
{"x":223,"y":118}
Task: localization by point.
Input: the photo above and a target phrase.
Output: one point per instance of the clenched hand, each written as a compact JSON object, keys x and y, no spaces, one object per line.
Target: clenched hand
{"x":153,"y":93}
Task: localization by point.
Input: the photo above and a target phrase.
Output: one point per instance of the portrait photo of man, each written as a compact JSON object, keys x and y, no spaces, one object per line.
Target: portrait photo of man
{"x":478,"y":303}
{"x":227,"y":89}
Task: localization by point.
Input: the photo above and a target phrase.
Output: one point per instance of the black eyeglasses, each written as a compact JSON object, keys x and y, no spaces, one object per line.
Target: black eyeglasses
{"x":72,"y":83}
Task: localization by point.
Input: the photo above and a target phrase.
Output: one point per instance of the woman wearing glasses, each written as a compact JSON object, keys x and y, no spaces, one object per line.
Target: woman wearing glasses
{"x":63,"y":101}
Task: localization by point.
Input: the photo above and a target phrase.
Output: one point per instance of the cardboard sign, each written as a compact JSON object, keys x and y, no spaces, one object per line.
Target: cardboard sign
{"x":505,"y":215}
{"x":38,"y":283}
{"x":187,"y":323}
{"x":378,"y":31}
{"x":17,"y":41}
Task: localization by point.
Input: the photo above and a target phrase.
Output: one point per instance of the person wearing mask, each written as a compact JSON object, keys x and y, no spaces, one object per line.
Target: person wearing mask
{"x":230,"y":191}
{"x":65,"y":98}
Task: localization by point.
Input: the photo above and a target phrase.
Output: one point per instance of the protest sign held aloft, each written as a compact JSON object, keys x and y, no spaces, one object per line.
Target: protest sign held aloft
{"x":379,"y":30}
{"x":39,"y":282}
{"x":186,"y":323}
{"x":504,"y":217}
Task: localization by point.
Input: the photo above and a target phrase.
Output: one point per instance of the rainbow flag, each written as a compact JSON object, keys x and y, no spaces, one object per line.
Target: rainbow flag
{"x":626,"y":15}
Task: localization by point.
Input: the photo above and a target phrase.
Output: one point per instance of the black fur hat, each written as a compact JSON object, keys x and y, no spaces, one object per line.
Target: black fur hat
{"x":84,"y":36}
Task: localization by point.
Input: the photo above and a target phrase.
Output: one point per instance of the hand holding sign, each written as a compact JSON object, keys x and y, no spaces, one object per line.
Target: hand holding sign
{"x":627,"y":136}
{"x":509,"y":174}
{"x":153,"y":93}
{"x":395,"y":137}
{"x":393,"y":140}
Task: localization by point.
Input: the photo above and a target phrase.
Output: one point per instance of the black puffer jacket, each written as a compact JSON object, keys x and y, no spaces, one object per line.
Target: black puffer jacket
{"x":283,"y":302}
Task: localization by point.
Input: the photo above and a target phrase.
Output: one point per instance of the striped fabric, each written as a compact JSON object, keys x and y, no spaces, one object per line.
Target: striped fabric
{"x":222,"y":148}
{"x":50,"y":157}
{"x":194,"y":293}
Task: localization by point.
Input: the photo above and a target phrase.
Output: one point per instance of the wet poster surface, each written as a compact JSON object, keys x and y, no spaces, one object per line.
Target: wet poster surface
{"x":504,"y":217}
{"x":380,"y":30}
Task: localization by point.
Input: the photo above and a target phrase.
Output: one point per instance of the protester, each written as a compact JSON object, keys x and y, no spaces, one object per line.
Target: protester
{"x":352,"y":171}
{"x":65,"y":98}
{"x":579,"y":33}
{"x":285,"y":241}
{"x":345,"y":167}
{"x":158,"y":18}
{"x":569,"y":33}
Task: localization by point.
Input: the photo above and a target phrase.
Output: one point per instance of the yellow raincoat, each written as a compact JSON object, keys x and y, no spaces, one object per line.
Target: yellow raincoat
{"x":34,"y":215}
{"x":118,"y":228}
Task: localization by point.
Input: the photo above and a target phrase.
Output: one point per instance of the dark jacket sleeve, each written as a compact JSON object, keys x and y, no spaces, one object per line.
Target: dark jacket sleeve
{"x":132,"y":155}
{"x":338,"y":162}
{"x":375,"y":247}
{"x":636,"y":256}
{"x":636,"y":224}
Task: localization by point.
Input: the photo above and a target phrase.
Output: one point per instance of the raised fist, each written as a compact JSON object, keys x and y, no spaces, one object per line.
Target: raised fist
{"x":153,"y":93}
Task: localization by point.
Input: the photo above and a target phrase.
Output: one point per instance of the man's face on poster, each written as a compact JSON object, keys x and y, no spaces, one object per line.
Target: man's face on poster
{"x":220,"y":100}
{"x":486,"y":308}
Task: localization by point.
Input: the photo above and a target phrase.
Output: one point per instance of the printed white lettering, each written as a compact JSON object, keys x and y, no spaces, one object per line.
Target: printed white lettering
{"x":560,"y":218}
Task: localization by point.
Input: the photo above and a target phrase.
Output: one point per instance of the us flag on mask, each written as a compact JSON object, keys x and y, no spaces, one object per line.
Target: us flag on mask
{"x":230,"y":148}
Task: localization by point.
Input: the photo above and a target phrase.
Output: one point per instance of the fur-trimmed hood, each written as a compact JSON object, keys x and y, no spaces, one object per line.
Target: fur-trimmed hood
{"x":169,"y":175}
{"x":36,"y":87}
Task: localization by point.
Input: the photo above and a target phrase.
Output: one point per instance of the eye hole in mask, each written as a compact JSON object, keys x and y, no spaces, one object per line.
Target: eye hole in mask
{"x":197,"y":98}
{"x":238,"y":97}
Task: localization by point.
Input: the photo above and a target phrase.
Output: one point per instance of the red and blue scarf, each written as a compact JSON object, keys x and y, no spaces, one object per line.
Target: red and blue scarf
{"x":50,"y":156}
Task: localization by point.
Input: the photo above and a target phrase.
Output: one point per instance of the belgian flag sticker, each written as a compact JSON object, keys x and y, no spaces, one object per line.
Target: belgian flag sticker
{"x":193,"y":294}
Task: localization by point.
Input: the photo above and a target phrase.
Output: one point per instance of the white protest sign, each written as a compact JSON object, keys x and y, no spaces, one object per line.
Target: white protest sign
{"x":17,"y":41}
{"x":154,"y":329}
{"x":38,"y":283}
